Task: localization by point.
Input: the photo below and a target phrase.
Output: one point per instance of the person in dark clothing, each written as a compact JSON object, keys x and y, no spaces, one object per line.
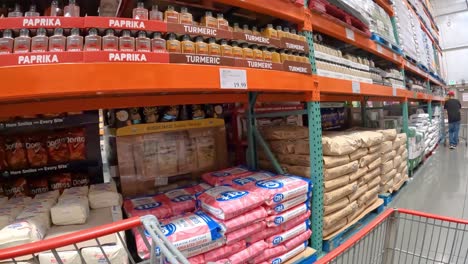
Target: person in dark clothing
{"x":453,"y":107}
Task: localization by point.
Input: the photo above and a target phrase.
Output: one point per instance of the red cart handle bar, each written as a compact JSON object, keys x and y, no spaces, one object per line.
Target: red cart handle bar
{"x":377,"y":221}
{"x":69,"y":239}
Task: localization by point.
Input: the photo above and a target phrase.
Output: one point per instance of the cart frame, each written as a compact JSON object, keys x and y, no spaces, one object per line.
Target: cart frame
{"x":405,"y":236}
{"x":147,"y":226}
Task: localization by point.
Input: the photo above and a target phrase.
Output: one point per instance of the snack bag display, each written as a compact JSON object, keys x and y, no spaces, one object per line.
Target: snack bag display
{"x":15,"y":153}
{"x":76,"y":140}
{"x":36,"y":151}
{"x":57,"y":147}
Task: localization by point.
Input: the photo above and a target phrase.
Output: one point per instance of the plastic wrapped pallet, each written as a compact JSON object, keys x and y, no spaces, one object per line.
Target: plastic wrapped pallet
{"x":337,"y":144}
{"x":388,"y":134}
{"x":356,"y":155}
{"x":336,"y":172}
{"x":335,"y":195}
{"x":334,"y":218}
{"x":338,"y":205}
{"x":335,"y":161}
{"x":336,"y":183}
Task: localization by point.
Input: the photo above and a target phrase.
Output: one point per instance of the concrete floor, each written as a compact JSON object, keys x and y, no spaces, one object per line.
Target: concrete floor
{"x":440,"y":186}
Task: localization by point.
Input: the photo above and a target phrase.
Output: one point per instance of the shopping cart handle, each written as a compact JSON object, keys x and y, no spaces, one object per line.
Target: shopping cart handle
{"x":69,"y":239}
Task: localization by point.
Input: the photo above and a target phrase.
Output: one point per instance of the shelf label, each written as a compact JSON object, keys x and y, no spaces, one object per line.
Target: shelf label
{"x":350,"y":34}
{"x":395,"y":57}
{"x":394,"y":90}
{"x":356,"y":87}
{"x":233,"y":79}
{"x":379,"y":49}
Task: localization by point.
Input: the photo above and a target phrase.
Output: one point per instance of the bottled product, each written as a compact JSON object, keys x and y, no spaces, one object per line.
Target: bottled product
{"x":40,"y":42}
{"x":110,"y":42}
{"x":200,"y":46}
{"x":140,"y":12}
{"x":155,"y":14}
{"x":171,"y":16}
{"x":172,"y":44}
{"x":185,"y":17}
{"x":258,"y":54}
{"x":248,"y":52}
{"x":296,"y":57}
{"x":186,"y":45}
{"x":222,"y":23}
{"x":246,"y":29}
{"x":213,"y":47}
{"x":226,"y":50}
{"x":32,"y":12}
{"x":209,"y":21}
{"x":237,"y":28}
{"x":267,"y":55}
{"x":158,"y":44}
{"x":279,"y":32}
{"x":57,"y":41}
{"x":150,"y":114}
{"x":6,"y":42}
{"x":135,"y":115}
{"x":3,"y":10}
{"x":184,"y":114}
{"x":142,"y":42}
{"x":75,"y":41}
{"x":126,"y":41}
{"x":290,"y":56}
{"x":284,"y":56}
{"x":92,"y":41}
{"x":54,"y":9}
{"x":170,"y":113}
{"x":270,"y":32}
{"x":286,"y":33}
{"x":275,"y":56}
{"x":305,"y":58}
{"x":255,"y":32}
{"x":294,"y":34}
{"x":72,"y":9}
{"x":197,"y":112}
{"x":16,"y":12}
{"x":23,"y":42}
{"x":236,"y":50}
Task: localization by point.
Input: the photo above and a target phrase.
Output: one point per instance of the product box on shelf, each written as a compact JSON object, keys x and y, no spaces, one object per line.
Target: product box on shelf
{"x":50,"y":152}
{"x":150,"y":153}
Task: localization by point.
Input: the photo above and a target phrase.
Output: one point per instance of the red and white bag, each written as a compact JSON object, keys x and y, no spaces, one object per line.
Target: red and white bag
{"x":221,"y":177}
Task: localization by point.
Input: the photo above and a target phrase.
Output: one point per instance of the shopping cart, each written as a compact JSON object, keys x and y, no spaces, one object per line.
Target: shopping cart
{"x":161,"y":250}
{"x":405,"y":236}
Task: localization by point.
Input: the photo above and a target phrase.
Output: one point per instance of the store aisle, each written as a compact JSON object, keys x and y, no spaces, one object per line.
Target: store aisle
{"x":440,"y":186}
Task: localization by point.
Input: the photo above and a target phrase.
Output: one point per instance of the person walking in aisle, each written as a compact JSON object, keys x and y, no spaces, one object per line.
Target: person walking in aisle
{"x":453,"y":107}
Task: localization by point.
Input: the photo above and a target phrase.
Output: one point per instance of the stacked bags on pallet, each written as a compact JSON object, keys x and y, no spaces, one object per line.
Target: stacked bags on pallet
{"x":394,"y":161}
{"x":430,"y":130}
{"x":351,"y":176}
{"x":351,"y":168}
{"x":246,"y":217}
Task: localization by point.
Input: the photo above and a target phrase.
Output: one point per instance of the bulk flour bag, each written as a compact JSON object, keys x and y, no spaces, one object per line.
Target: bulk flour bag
{"x":224,"y":202}
{"x":281,"y":188}
{"x":218,"y":178}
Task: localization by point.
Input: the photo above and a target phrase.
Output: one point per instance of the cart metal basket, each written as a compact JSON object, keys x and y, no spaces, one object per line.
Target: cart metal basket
{"x":405,"y":236}
{"x":161,"y":250}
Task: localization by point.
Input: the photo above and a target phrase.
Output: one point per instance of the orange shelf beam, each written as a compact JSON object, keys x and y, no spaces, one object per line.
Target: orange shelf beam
{"x":277,"y":8}
{"x":84,"y":86}
{"x":339,"y":30}
{"x":342,"y":90}
{"x":386,"y":6}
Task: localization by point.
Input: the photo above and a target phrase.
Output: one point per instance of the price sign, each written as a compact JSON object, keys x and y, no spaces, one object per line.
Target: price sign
{"x":394,"y":90}
{"x":350,"y":34}
{"x":379,"y":48}
{"x":233,"y":79}
{"x":356,"y":87}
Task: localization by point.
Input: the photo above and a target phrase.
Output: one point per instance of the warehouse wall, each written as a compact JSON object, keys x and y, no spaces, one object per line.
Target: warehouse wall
{"x":452,"y":19}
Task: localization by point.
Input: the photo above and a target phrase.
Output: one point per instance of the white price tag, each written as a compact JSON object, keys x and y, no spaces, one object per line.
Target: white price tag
{"x":379,"y":48}
{"x":233,"y":79}
{"x":395,"y":57}
{"x":356,"y":87}
{"x":394,"y":90}
{"x":350,"y":34}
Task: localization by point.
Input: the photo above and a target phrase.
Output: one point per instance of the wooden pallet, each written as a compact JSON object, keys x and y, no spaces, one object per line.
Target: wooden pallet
{"x":388,"y":197}
{"x":337,"y":238}
{"x":384,"y":42}
{"x":308,"y":256}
